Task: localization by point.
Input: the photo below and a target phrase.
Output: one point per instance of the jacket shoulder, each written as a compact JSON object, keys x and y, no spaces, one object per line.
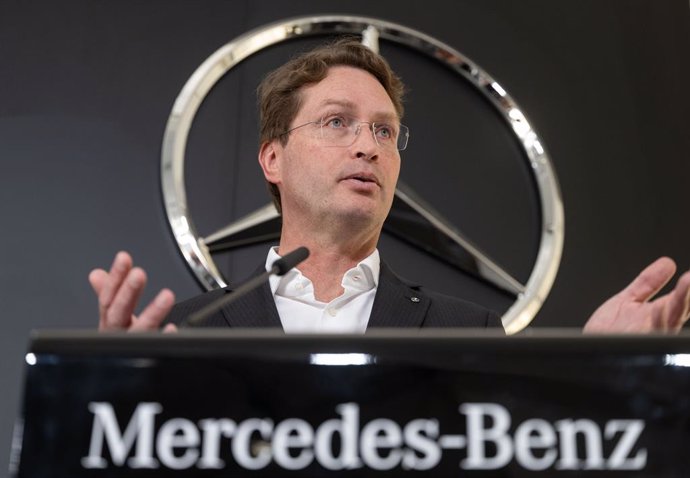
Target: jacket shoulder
{"x":449,"y":311}
{"x":441,"y":310}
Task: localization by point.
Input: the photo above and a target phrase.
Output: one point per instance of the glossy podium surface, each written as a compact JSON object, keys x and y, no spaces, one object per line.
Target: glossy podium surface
{"x":247,"y":403}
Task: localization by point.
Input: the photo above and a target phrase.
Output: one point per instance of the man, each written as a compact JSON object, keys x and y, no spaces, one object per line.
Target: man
{"x":330,"y":141}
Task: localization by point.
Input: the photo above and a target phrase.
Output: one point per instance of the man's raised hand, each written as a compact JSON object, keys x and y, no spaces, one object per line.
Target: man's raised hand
{"x":119,"y":291}
{"x":633,"y":310}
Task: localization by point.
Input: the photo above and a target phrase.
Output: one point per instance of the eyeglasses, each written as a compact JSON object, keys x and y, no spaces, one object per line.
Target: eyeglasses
{"x":341,"y":131}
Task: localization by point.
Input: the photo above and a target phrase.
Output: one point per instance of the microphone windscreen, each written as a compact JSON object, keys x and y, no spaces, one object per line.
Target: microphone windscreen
{"x":288,"y":261}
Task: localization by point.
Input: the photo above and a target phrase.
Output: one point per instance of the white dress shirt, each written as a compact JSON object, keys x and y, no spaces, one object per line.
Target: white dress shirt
{"x":300,"y":312}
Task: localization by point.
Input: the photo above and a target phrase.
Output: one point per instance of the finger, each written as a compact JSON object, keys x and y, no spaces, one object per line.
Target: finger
{"x":97,"y":278}
{"x":119,"y":314}
{"x":152,"y":316}
{"x":677,"y":309}
{"x":170,"y":328}
{"x":651,"y":280}
{"x":122,"y":264}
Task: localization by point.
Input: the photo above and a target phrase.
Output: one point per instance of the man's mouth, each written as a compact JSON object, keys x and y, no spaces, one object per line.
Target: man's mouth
{"x":363,"y":178}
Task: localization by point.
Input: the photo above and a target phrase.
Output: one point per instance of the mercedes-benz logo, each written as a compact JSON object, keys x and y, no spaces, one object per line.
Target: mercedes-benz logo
{"x":263,"y":224}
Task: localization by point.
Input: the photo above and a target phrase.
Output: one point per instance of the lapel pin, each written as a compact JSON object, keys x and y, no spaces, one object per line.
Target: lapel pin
{"x":414,"y":299}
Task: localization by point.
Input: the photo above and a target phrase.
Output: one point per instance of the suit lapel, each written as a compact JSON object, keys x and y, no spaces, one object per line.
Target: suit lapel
{"x":397,"y":304}
{"x":256,"y":309}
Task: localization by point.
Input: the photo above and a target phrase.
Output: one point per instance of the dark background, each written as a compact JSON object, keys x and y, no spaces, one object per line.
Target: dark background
{"x":86,"y":88}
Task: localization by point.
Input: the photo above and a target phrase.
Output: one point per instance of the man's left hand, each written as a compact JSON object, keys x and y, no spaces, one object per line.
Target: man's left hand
{"x":633,"y":310}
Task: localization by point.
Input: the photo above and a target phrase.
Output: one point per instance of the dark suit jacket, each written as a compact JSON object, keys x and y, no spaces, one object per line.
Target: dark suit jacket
{"x":396,"y":304}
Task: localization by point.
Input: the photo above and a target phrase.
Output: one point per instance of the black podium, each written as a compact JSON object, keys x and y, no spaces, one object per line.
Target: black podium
{"x":249,"y":403}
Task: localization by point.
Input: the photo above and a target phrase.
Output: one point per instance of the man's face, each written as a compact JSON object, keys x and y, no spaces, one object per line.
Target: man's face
{"x":352,"y":184}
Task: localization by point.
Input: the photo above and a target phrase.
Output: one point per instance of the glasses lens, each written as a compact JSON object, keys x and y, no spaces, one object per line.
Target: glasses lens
{"x":338,"y":130}
{"x":341,"y":130}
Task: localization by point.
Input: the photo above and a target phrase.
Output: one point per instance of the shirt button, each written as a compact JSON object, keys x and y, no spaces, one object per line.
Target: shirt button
{"x":332,"y":312}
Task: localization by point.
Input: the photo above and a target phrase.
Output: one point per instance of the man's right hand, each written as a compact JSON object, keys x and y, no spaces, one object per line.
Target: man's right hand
{"x":118,"y":292}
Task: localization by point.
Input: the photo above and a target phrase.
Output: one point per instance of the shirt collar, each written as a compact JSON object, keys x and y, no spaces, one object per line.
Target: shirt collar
{"x":364,"y":276}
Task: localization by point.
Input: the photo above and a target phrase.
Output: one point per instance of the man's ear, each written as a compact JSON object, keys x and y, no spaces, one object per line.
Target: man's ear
{"x":270,"y":155}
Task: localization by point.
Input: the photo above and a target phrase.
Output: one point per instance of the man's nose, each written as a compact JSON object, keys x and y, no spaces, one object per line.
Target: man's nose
{"x":365,"y":141}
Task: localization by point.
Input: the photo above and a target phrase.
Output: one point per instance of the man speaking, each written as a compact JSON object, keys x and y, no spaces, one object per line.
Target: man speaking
{"x":330,"y":142}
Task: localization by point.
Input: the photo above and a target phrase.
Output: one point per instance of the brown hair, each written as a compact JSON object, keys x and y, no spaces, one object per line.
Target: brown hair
{"x":279,"y":93}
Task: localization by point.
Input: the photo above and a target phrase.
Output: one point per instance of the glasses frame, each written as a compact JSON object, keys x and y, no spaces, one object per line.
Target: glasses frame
{"x":403,"y":134}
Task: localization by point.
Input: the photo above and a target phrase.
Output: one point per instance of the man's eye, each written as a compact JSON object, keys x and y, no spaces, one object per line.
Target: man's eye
{"x":336,"y":122}
{"x":385,"y":132}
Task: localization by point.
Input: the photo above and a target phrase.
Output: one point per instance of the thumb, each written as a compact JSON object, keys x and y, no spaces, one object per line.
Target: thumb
{"x":651,"y":280}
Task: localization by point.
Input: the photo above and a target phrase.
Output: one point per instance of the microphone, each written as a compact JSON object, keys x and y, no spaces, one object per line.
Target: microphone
{"x":290,"y":260}
{"x":279,"y":267}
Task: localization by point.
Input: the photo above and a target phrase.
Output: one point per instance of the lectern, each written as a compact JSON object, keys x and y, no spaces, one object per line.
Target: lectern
{"x":390,"y":403}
